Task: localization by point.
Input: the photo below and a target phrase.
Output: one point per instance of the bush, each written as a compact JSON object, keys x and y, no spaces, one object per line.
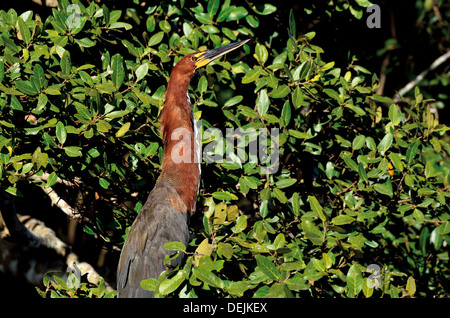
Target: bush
{"x":357,"y":207}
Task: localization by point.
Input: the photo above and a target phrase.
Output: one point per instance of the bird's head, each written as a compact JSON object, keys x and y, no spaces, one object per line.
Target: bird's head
{"x":191,"y":62}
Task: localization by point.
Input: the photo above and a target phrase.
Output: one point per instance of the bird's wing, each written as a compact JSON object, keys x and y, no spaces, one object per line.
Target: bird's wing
{"x":163,"y":219}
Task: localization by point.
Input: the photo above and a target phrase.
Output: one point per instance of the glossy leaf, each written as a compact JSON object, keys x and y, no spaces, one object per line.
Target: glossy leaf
{"x":316,"y":207}
{"x":118,"y":73}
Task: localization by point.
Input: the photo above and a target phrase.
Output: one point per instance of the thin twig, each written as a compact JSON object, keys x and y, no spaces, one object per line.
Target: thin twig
{"x":440,"y":60}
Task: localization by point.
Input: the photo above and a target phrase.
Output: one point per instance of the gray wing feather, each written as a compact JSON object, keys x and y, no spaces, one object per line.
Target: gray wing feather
{"x":143,"y":253}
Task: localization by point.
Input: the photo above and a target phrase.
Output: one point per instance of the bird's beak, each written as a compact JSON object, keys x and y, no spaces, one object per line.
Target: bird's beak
{"x":206,"y":57}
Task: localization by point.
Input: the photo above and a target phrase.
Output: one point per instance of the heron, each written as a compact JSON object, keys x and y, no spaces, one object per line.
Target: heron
{"x":165,"y":215}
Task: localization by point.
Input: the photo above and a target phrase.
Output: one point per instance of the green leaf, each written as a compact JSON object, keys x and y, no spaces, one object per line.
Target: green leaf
{"x":225,"y":249}
{"x":150,"y":284}
{"x":224,"y":195}
{"x":51,"y":180}
{"x":296,"y":203}
{"x":342,"y":219}
{"x":15,"y":103}
{"x":11,"y":45}
{"x":424,"y":239}
{"x":117,"y":114}
{"x":266,"y":265}
{"x":65,"y":64}
{"x":73,"y":151}
{"x":358,"y":142}
{"x":396,"y":161}
{"x":156,"y":39}
{"x":280,"y":91}
{"x":118,"y":72}
{"x":26,"y":87}
{"x":316,"y":207}
{"x":354,"y":281}
{"x":292,"y":25}
{"x":350,"y":162}
{"x":106,"y":14}
{"x":284,"y":183}
{"x":286,"y":113}
{"x":299,"y":134}
{"x":123,"y":130}
{"x":106,"y":88}
{"x":104,"y":183}
{"x":164,"y":26}
{"x":362,"y":172}
{"x":252,"y":20}
{"x":237,"y":14}
{"x":2,"y":72}
{"x":279,"y":241}
{"x":24,"y":31}
{"x":411,"y":152}
{"x":411,"y":286}
{"x":264,"y":208}
{"x":297,"y":98}
{"x":104,"y":126}
{"x":213,"y":8}
{"x":238,"y":288}
{"x":241,"y":224}
{"x":332,"y":93}
{"x":150,"y":23}
{"x":385,"y":143}
{"x":233,"y":101}
{"x":394,"y":114}
{"x":265,"y":9}
{"x":251,"y":76}
{"x":444,"y":228}
{"x":384,"y":188}
{"x":85,"y":42}
{"x":382,"y":99}
{"x":261,"y":53}
{"x":141,"y":72}
{"x":262,"y":102}
{"x":39,"y":158}
{"x":206,"y":276}
{"x":220,"y":213}
{"x":38,"y":77}
{"x":311,"y":273}
{"x":430,"y":170}
{"x":118,"y":25}
{"x":169,"y":285}
{"x":364,"y":3}
{"x":280,"y":195}
{"x":61,"y":133}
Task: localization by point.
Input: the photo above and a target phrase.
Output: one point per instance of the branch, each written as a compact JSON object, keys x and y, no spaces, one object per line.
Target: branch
{"x":33,"y":249}
{"x":14,"y":228}
{"x":55,"y":198}
{"x":440,"y":60}
{"x":387,"y":58}
{"x":60,"y":203}
{"x":86,"y":268}
{"x":46,"y":175}
{"x":46,"y":3}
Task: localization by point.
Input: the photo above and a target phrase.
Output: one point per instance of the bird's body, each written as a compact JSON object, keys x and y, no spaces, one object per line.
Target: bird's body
{"x":162,"y":219}
{"x":165,"y":215}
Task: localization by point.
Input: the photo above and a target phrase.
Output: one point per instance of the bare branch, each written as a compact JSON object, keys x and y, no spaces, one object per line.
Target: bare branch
{"x":13,"y":227}
{"x":60,"y":203}
{"x":25,"y":232}
{"x":440,"y":60}
{"x":46,"y":175}
{"x":56,"y":200}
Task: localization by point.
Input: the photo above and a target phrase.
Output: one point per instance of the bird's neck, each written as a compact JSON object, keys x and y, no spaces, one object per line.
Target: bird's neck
{"x":180,"y":167}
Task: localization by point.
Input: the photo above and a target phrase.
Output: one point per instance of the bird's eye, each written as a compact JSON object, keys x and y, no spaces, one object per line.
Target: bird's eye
{"x":194,"y":59}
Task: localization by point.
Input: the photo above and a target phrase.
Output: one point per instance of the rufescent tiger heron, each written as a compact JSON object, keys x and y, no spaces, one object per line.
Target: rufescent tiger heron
{"x":165,"y":215}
